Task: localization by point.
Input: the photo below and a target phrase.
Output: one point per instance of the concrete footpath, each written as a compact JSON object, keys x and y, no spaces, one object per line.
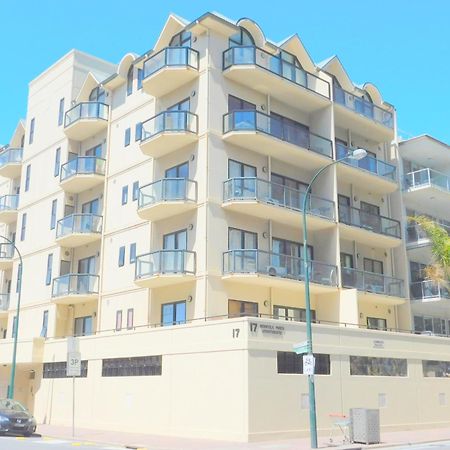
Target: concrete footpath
{"x":152,"y":442}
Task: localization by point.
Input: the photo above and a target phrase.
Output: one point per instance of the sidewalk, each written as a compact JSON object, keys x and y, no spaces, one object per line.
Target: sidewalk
{"x":151,"y":442}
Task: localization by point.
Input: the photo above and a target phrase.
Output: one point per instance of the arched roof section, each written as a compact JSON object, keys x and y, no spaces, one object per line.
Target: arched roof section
{"x":90,"y":82}
{"x":173,"y":25}
{"x":374,"y":93}
{"x":334,"y":67}
{"x":125,"y":64}
{"x":254,"y":29}
{"x":295,"y":46}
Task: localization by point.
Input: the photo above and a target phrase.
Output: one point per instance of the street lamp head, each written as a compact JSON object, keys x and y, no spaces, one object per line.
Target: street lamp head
{"x":357,"y":154}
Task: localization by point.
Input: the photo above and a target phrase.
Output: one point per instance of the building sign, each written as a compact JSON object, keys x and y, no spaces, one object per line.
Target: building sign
{"x":308,"y":364}
{"x":267,"y":329}
{"x":378,"y":343}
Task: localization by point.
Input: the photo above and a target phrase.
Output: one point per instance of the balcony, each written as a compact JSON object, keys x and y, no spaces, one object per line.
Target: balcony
{"x":166,"y":198}
{"x":372,"y":229}
{"x":78,"y":229}
{"x":267,"y":135}
{"x":82,"y":173}
{"x":425,"y":185}
{"x":165,"y":268}
{"x":75,"y":288}
{"x":271,"y":75}
{"x":272,"y":201}
{"x":428,"y":291}
{"x":6,"y":255}
{"x":374,"y":287}
{"x":356,"y":113}
{"x":4,"y":305}
{"x":261,"y":268}
{"x":372,"y":173}
{"x":8,"y":208}
{"x":170,"y":69}
{"x":11,"y":162}
{"x":168,"y":131}
{"x":86,"y":119}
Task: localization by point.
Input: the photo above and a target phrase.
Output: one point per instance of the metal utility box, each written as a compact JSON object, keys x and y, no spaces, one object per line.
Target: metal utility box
{"x":365,"y":426}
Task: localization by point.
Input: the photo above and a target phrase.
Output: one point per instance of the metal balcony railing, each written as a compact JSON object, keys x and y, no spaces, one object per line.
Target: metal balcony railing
{"x":167,"y":190}
{"x":372,"y":222}
{"x":369,"y":163}
{"x":252,"y":120}
{"x":75,"y":284}
{"x":79,"y":223}
{"x":249,"y":188}
{"x":164,"y":262}
{"x":427,"y":289}
{"x":372,"y":282}
{"x":83,"y":165}
{"x":171,"y":57}
{"x":6,"y":251}
{"x":277,"y":265}
{"x":170,"y":121}
{"x":251,"y":55}
{"x":9,"y":202}
{"x":86,"y":110}
{"x":363,"y":107}
{"x":4,"y":302}
{"x":426,"y":178}
{"x":415,"y":235}
{"x":11,"y":156}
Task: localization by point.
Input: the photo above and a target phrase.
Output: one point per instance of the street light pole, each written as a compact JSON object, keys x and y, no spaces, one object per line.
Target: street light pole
{"x":16,"y":331}
{"x":353,"y":154}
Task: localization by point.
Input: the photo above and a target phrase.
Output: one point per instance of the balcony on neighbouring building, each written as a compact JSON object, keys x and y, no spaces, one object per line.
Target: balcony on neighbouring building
{"x":272,"y":75}
{"x":275,"y":270}
{"x":82,"y":173}
{"x":428,"y":291}
{"x":86,"y":119}
{"x":78,"y":229}
{"x":165,"y":268}
{"x":372,"y":229}
{"x":75,"y":288}
{"x":375,"y":286}
{"x":427,"y":184}
{"x":8,"y":208}
{"x":4,"y":304}
{"x":270,"y":136}
{"x":418,"y":243}
{"x":11,"y":162}
{"x":166,"y":198}
{"x":168,"y":131}
{"x":375,"y":174}
{"x":6,"y":255}
{"x":369,"y":120}
{"x":169,"y":69}
{"x":272,"y":201}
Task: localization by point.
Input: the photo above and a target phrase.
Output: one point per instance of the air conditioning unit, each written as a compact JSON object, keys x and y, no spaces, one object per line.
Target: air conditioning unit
{"x":276,"y":271}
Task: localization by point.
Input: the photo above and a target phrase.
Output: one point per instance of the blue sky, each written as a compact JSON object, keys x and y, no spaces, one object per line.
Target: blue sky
{"x":402,"y":46}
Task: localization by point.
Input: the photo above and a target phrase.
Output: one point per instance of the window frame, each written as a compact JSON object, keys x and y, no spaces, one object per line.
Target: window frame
{"x":53,"y":214}
{"x":48,"y":273}
{"x":57,"y":168}
{"x":61,"y":112}
{"x":27,"y":177}
{"x":121,"y":260}
{"x":125,"y":194}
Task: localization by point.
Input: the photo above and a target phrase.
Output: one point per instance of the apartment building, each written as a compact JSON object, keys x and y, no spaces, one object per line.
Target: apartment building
{"x":157,"y":207}
{"x":426,"y":192}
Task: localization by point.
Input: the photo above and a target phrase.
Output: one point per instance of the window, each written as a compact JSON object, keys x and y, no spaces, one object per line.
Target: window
{"x":138,"y":131}
{"x":241,"y":239}
{"x":180,"y":171}
{"x":19,"y":278}
{"x":118,"y":320}
{"x":238,"y":104}
{"x":61,"y":112}
{"x":372,"y":265}
{"x":290,"y":248}
{"x":127,"y":137}
{"x":290,"y":362}
{"x":182,"y":39}
{"x":173,"y":313}
{"x":175,"y":241}
{"x":132,"y":367}
{"x":14,"y":327}
{"x":124,"y":195}
{"x":59,"y":369}
{"x":133,"y":253}
{"x":97,"y":95}
{"x":130,"y":318}
{"x":346,"y":260}
{"x":282,"y":190}
{"x":288,"y":313}
{"x":121,"y":256}
{"x":140,"y":77}
{"x":53,"y":215}
{"x":83,"y":326}
{"x":374,"y":323}
{"x":184,"y":105}
{"x":57,"y":162}
{"x":289,"y":130}
{"x":130,"y":81}
{"x":382,"y":367}
{"x":44,"y":324}
{"x":135,"y":191}
{"x":237,"y":169}
{"x":48,"y":276}
{"x":27,"y":177}
{"x":243,"y":37}
{"x":31,"y":135}
{"x":238,"y":308}
{"x":438,"y":369}
{"x":23,"y":226}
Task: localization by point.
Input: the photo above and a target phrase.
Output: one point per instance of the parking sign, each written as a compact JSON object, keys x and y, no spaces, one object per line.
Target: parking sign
{"x":73,"y":364}
{"x":308,"y":364}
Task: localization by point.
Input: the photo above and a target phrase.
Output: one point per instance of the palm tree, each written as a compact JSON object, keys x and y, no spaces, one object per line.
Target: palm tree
{"x":439,"y":269}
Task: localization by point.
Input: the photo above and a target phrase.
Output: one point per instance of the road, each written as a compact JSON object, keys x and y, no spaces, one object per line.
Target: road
{"x":443,"y":445}
{"x":44,"y":443}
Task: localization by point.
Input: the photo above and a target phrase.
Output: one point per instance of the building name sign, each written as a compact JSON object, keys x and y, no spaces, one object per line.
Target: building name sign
{"x":267,"y":329}
{"x":378,"y":343}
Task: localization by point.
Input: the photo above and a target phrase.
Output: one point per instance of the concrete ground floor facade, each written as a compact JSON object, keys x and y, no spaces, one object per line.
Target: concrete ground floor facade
{"x":233,"y":379}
